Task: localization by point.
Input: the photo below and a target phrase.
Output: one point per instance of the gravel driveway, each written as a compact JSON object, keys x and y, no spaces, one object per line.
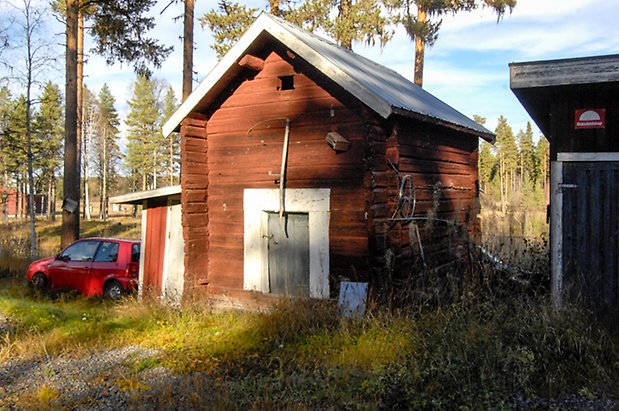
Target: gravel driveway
{"x":106,"y":380}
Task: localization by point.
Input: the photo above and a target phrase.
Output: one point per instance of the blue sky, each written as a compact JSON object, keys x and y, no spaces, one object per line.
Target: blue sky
{"x":467,"y":67}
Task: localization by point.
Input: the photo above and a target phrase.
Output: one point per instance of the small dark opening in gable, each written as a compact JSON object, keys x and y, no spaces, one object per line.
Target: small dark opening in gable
{"x":286,"y":83}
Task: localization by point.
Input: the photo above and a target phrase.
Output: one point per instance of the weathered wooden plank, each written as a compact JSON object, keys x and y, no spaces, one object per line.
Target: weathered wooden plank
{"x":252,"y":62}
{"x":193,"y":131}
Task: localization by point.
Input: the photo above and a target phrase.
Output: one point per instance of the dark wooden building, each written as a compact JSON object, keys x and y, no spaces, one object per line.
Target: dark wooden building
{"x":575,"y":102}
{"x":304,"y":164}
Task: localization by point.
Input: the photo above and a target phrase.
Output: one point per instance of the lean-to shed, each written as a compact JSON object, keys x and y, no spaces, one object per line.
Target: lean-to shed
{"x":162,"y":248}
{"x":303,"y":164}
{"x":575,"y":102}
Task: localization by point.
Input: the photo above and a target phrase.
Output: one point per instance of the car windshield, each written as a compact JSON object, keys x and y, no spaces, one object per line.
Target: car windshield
{"x":81,"y":251}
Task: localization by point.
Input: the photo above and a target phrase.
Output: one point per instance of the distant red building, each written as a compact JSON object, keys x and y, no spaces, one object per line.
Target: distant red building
{"x":15,"y":204}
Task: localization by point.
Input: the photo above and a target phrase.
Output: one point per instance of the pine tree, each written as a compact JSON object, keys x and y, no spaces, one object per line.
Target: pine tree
{"x":143,"y":139}
{"x":487,"y":162}
{"x":354,"y":20}
{"x":15,"y":152}
{"x":6,"y":102}
{"x":107,"y":152}
{"x":526,"y":154}
{"x":119,"y":29}
{"x":542,"y":164}
{"x":507,"y":156}
{"x":49,"y":127}
{"x":418,"y":19}
{"x":169,"y":107}
{"x":227,"y":22}
{"x":486,"y":159}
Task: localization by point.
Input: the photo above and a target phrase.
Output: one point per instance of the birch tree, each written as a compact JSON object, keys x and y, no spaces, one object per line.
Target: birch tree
{"x":33,"y":58}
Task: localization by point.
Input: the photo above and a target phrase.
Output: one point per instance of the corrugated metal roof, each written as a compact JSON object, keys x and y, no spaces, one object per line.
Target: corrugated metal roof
{"x":380,"y":88}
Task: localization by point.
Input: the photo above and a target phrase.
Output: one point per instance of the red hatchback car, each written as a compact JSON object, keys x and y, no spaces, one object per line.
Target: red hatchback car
{"x":92,"y":266}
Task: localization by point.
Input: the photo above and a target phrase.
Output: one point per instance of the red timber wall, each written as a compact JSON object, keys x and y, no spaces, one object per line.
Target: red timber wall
{"x":245,"y":139}
{"x":194,"y":183}
{"x":16,"y":203}
{"x":156,"y":230}
{"x":443,"y":165}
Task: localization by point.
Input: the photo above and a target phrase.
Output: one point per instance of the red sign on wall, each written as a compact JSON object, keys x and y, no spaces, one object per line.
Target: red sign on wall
{"x":590,"y":118}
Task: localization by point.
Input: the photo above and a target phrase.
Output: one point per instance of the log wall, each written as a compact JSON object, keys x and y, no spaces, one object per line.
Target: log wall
{"x":244,"y":136}
{"x":195,"y":217}
{"x":443,"y":166}
{"x":245,"y":139}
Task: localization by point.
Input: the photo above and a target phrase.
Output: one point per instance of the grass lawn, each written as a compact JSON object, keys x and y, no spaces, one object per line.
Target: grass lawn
{"x":477,"y":353}
{"x":480,"y":351}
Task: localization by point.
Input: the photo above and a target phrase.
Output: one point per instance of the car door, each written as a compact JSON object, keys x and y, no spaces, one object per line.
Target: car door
{"x":106,"y":262}
{"x":71,"y":268}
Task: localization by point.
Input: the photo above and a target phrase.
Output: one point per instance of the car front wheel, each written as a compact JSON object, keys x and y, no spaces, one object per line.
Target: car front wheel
{"x":113,"y":290}
{"x":40,"y":282}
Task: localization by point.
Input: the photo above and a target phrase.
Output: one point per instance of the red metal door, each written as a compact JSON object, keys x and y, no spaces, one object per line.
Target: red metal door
{"x":154,"y":250}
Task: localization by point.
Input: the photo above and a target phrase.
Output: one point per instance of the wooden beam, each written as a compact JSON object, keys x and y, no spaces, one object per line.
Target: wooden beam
{"x":252,"y":62}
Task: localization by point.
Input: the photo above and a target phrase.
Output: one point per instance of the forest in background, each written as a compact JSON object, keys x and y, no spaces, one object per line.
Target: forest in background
{"x":109,"y":163}
{"x":31,"y":120}
{"x":513,"y":173}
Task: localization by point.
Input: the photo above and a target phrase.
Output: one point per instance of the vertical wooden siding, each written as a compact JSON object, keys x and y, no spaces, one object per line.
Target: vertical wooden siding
{"x":566,"y":139}
{"x":154,"y":250}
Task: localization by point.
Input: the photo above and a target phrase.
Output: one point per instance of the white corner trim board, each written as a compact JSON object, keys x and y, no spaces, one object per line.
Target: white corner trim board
{"x":556,"y":232}
{"x":313,"y":201}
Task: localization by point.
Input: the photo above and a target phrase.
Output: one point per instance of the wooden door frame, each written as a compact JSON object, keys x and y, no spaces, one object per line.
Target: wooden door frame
{"x":256,"y":204}
{"x":556,"y":214}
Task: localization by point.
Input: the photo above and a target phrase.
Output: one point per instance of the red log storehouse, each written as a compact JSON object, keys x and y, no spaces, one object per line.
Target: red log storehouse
{"x":304,"y":164}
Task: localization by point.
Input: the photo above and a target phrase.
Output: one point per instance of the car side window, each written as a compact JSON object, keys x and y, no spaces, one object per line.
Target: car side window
{"x":108,"y":252}
{"x":135,"y":252}
{"x":81,"y":251}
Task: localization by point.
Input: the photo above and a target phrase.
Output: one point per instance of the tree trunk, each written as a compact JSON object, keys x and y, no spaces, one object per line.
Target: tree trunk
{"x":52,"y":203}
{"x":80,"y":109}
{"x":420,"y":46}
{"x":154,"y":169}
{"x":344,"y":11}
{"x":71,"y":221}
{"x":22,"y":197}
{"x":104,"y":182}
{"x":188,"y":49}
{"x":50,"y":182}
{"x":171,"y":138}
{"x":6,"y":197}
{"x":502,"y":184}
{"x":31,"y":205}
